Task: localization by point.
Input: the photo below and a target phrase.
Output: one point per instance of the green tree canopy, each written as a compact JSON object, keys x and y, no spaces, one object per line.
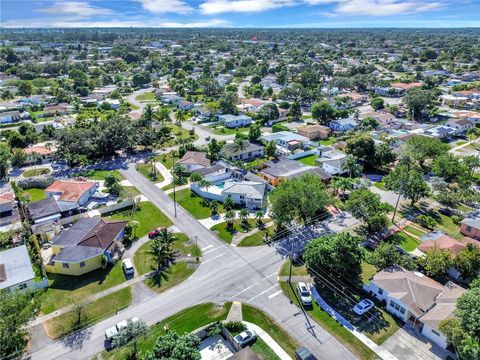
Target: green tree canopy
{"x":175,"y":347}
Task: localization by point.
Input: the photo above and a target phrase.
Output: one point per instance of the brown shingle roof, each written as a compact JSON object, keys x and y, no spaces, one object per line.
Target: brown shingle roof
{"x":195,"y":157}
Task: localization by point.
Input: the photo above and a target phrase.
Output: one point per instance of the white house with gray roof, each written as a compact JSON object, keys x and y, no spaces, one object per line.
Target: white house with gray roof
{"x":235,"y":121}
{"x":286,"y":140}
{"x":16,"y":271}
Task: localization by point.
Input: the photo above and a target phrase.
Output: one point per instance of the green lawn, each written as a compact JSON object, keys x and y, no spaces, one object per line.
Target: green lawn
{"x":447,"y":225}
{"x":144,"y":262}
{"x":258,"y":161}
{"x":406,"y":242}
{"x":329,"y":141}
{"x":179,"y":133}
{"x":36,"y":172}
{"x":380,"y":185}
{"x":99,"y":174}
{"x":146,"y":170}
{"x":146,"y":96}
{"x":182,"y":322}
{"x":174,"y":275}
{"x":415,"y":230}
{"x":226,"y":234}
{"x":131,"y":191}
{"x":94,"y":312}
{"x":36,"y":194}
{"x":334,"y":328}
{"x":147,"y":215}
{"x":368,"y":271}
{"x":255,"y":239}
{"x":65,"y":289}
{"x":258,"y":317}
{"x":297,"y":269}
{"x":193,"y":203}
{"x":221,"y":130}
{"x":167,"y":160}
{"x":309,"y":160}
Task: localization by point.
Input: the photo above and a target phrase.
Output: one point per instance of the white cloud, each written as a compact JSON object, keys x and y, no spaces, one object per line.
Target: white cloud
{"x":379,"y":7}
{"x":70,"y":23}
{"x":74,"y":8}
{"x":166,"y":6}
{"x":210,"y":7}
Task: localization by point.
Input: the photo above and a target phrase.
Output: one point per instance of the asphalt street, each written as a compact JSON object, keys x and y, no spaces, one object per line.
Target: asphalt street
{"x":227,"y":273}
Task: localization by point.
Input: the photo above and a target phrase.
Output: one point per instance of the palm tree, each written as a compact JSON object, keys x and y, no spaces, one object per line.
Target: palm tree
{"x":240,"y":144}
{"x":351,"y":164}
{"x":158,"y":250}
{"x":213,"y":205}
{"x":148,"y":114}
{"x":342,"y":184}
{"x":205,"y":184}
{"x":228,"y":203}
{"x":244,"y":216}
{"x":229,"y":218}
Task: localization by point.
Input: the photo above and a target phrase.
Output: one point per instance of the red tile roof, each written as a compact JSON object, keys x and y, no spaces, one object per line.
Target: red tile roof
{"x":6,"y":198}
{"x":70,"y":190}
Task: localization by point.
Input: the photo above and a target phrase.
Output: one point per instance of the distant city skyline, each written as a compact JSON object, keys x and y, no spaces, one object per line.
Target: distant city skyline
{"x":241,"y":13}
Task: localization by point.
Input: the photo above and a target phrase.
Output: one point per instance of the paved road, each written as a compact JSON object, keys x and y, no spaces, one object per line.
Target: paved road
{"x":227,"y":273}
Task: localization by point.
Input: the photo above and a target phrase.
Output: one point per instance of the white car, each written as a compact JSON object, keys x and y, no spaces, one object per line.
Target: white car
{"x":245,"y":338}
{"x":110,"y":333}
{"x":127,"y":266}
{"x":304,"y":293}
{"x":363,"y":306}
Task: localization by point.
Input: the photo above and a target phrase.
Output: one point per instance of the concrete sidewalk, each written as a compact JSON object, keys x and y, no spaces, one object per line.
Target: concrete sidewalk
{"x":262,"y":334}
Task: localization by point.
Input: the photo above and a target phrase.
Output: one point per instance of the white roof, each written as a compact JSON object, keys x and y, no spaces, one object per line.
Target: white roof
{"x":18,"y":267}
{"x":251,"y":189}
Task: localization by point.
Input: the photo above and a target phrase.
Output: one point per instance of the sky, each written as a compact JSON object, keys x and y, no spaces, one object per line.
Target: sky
{"x":240,"y":13}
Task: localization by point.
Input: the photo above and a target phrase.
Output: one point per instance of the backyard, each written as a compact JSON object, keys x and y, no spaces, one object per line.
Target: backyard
{"x":403,"y":240}
{"x":146,"y":214}
{"x":36,"y":194}
{"x":309,"y":160}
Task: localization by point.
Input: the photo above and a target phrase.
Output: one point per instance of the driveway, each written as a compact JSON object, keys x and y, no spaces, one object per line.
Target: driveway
{"x":407,"y":344}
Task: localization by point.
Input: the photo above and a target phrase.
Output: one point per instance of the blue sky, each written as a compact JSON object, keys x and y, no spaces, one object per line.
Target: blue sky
{"x":240,"y":13}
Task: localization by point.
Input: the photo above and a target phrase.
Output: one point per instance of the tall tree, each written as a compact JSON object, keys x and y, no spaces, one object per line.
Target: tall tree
{"x":323,"y":112}
{"x":407,"y":182}
{"x":5,"y":159}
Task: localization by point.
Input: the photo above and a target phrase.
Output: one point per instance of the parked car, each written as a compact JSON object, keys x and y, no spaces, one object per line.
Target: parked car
{"x":303,"y":353}
{"x":110,"y":333}
{"x":245,"y":338}
{"x":127,"y":266}
{"x":363,"y":306}
{"x":304,"y":293}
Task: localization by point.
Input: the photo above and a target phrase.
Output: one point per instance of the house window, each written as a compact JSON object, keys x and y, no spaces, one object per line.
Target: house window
{"x":397,"y":307}
{"x":380,"y":291}
{"x":22,"y":286}
{"x":82,"y":264}
{"x":65,"y":265}
{"x":469,"y":228}
{"x":436,"y":332}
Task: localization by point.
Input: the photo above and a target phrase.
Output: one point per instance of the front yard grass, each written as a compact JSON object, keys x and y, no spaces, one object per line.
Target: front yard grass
{"x":144,"y":263}
{"x":146,"y":170}
{"x":329,"y":324}
{"x":297,"y":269}
{"x":380,"y":185}
{"x":194,"y":204}
{"x":36,"y":172}
{"x":179,"y":132}
{"x":417,"y":231}
{"x":309,"y":160}
{"x":131,"y":191}
{"x":146,"y":96}
{"x":65,"y":289}
{"x":406,"y":242}
{"x":36,"y":194}
{"x":166,"y":159}
{"x":93,"y":313}
{"x":368,"y":270}
{"x":226,"y":234}
{"x":182,"y":322}
{"x":256,"y":239}
{"x":148,"y":216}
{"x":258,"y":317}
{"x":330,"y":141}
{"x":99,"y":174}
{"x":222,"y":130}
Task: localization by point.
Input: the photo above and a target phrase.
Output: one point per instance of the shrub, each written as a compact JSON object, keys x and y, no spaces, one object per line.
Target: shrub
{"x":427,"y":221}
{"x":235,"y":326}
{"x":279,"y":127}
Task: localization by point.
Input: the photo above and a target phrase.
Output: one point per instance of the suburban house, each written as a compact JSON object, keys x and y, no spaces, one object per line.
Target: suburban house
{"x":16,"y":272}
{"x":44,"y":210}
{"x":248,"y":151}
{"x":416,"y":299}
{"x":343,"y":124}
{"x":439,"y":132}
{"x":454,"y":101}
{"x":8,"y":210}
{"x":396,"y":89}
{"x":277,"y":170}
{"x":185,"y":105}
{"x":314,"y":132}
{"x":383,"y":118}
{"x":460,"y":125}
{"x":43,"y":151}
{"x":194,"y":160}
{"x":356,"y":98}
{"x":71,"y":195}
{"x":173,"y":99}
{"x":10,"y":116}
{"x":470,"y":226}
{"x":235,"y":121}
{"x":436,"y":240}
{"x":59,"y":109}
{"x":252,"y":105}
{"x":250,"y":194}
{"x":332,"y":161}
{"x":80,"y":248}
{"x":286,"y":140}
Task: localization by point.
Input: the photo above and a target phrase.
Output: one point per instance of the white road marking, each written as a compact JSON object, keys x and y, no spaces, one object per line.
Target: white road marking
{"x":275,"y":294}
{"x":263,"y":292}
{"x":207,"y":247}
{"x":216,"y":257}
{"x":212,"y":250}
{"x":258,"y":282}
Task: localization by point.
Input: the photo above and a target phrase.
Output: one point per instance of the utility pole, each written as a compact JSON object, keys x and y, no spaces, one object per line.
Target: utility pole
{"x":174,"y":193}
{"x":396,"y":207}
{"x":197,"y":258}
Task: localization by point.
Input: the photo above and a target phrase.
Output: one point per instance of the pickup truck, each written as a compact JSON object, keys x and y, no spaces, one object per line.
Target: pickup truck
{"x":110,"y":333}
